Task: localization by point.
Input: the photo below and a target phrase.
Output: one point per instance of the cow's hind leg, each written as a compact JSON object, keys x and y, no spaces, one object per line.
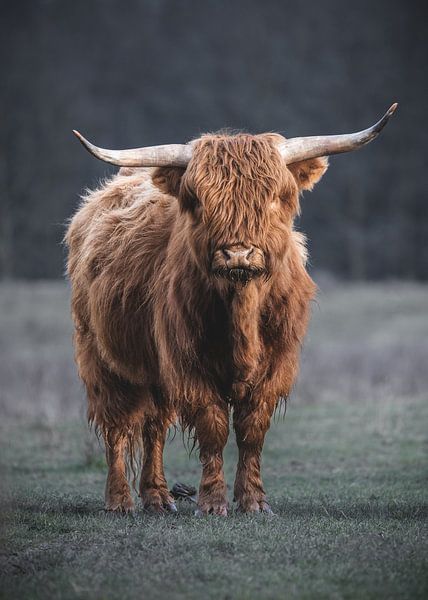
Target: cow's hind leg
{"x":153,"y":487}
{"x":114,"y":407}
{"x":251,"y":421}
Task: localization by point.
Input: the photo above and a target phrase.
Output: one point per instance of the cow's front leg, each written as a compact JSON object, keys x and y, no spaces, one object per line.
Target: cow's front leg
{"x":212,"y":429}
{"x":251,"y":422}
{"x":117,"y":491}
{"x":153,"y":487}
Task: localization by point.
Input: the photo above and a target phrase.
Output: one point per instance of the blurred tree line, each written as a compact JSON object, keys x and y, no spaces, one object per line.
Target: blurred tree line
{"x":142,"y":72}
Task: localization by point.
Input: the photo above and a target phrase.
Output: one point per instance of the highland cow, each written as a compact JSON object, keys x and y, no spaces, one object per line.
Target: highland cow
{"x":190,"y":299}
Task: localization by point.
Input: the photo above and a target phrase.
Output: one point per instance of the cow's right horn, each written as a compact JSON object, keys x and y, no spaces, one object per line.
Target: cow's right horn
{"x":169,"y":155}
{"x":302,"y":148}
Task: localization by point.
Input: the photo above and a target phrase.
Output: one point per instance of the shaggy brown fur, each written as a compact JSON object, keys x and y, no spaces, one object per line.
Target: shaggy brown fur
{"x":165,"y":328}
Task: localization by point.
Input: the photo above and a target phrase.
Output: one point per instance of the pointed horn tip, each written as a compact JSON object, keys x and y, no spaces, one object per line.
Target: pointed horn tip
{"x":391,"y":110}
{"x":83,"y":141}
{"x":78,"y":135}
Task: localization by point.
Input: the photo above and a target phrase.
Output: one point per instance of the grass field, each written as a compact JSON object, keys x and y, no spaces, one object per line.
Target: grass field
{"x":346,"y":470}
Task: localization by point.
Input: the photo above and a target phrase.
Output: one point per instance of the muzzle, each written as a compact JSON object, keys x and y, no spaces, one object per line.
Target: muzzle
{"x":238,"y":263}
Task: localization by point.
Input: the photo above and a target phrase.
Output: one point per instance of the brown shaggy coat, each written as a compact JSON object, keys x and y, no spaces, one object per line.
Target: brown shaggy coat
{"x":161,"y":334}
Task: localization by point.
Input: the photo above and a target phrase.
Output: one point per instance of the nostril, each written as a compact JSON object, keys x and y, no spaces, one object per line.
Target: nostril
{"x":237,"y":253}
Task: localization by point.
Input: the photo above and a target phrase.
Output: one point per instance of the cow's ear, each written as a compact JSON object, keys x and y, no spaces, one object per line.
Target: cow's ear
{"x":168,"y":179}
{"x":308,"y":172}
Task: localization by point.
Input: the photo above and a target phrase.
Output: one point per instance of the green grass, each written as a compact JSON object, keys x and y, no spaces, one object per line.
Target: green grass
{"x":346,"y":485}
{"x":346,"y":473}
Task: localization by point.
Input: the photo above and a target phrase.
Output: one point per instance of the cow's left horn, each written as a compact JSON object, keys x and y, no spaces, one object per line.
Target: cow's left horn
{"x":303,"y":148}
{"x":169,"y":155}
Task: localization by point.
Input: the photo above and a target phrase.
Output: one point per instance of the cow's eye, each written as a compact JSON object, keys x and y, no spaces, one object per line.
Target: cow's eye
{"x":190,"y":202}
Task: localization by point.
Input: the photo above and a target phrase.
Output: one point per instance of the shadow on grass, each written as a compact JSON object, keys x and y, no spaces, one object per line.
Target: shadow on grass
{"x":363,"y":509}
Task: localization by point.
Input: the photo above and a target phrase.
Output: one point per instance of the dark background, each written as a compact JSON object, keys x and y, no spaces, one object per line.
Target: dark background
{"x":346,"y":470}
{"x":132,"y":73}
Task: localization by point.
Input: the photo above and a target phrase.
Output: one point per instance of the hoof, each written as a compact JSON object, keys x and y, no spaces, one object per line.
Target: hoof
{"x":266,"y":508}
{"x":124,"y":506}
{"x":157,"y":501}
{"x":154,"y":508}
{"x":171,"y":507}
{"x":261,"y":507}
{"x":213,"y":509}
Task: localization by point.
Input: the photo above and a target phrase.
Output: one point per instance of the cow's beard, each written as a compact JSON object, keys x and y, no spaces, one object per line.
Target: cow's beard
{"x":245,"y":312}
{"x":239,"y":275}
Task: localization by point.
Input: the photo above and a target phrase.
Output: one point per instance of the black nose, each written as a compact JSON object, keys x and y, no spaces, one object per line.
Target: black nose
{"x":237,"y":256}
